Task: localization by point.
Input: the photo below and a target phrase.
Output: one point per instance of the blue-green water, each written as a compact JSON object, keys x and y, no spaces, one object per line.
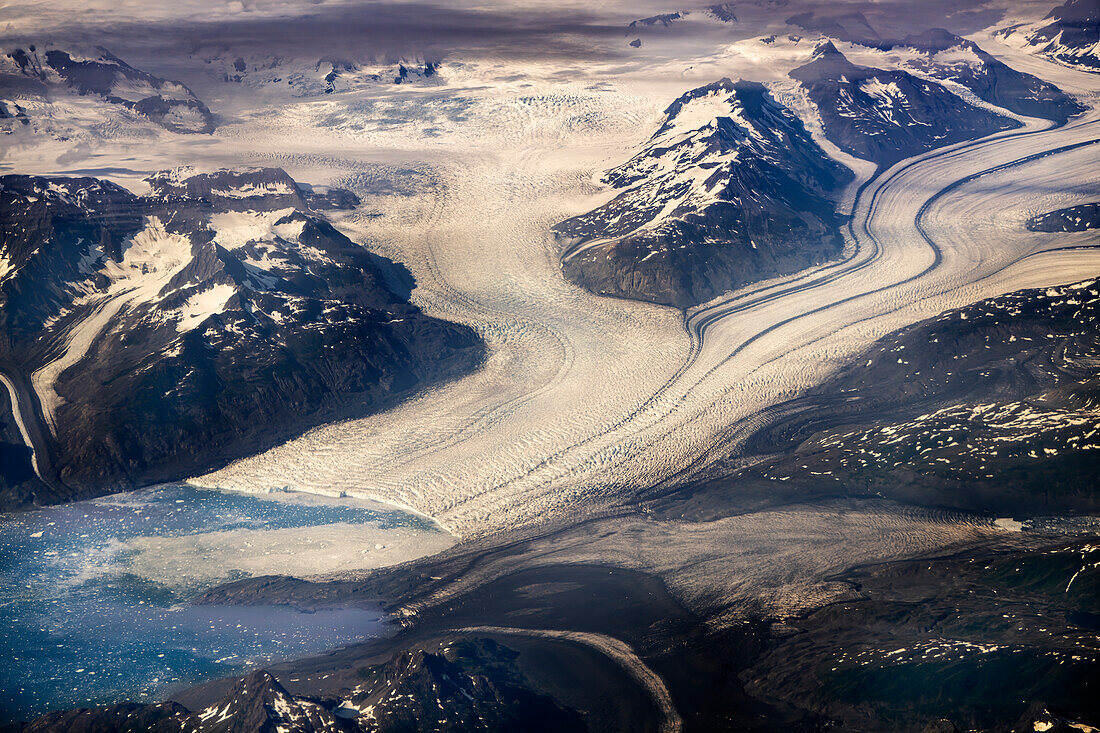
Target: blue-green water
{"x":93,"y":610}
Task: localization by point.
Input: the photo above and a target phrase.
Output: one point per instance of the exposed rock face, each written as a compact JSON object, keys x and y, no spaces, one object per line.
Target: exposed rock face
{"x":327,"y":75}
{"x":265,"y":189}
{"x":664,"y":19}
{"x":949,"y":57}
{"x":165,"y":335}
{"x":730,"y":189}
{"x":953,"y":58}
{"x":255,"y":704}
{"x":170,"y":104}
{"x":259,"y":703}
{"x":262,"y":189}
{"x":1070,"y":219}
{"x":990,"y":408}
{"x":12,"y":111}
{"x":886,"y":116}
{"x":17,"y":478}
{"x":974,"y":636}
{"x":469,"y":685}
{"x":1040,"y":717}
{"x":167,"y":717}
{"x":1069,"y":34}
{"x":466,"y":686}
{"x":724,"y":12}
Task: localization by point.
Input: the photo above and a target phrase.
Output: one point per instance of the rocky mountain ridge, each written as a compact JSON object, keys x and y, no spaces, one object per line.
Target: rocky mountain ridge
{"x":465,"y":685}
{"x":1069,"y":34}
{"x":167,"y":103}
{"x":731,"y":188}
{"x":886,"y":115}
{"x":329,"y":74}
{"x":164,"y":335}
{"x":1070,"y":219}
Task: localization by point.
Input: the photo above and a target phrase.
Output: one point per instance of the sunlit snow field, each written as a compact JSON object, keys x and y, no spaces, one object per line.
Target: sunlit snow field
{"x":93,"y":595}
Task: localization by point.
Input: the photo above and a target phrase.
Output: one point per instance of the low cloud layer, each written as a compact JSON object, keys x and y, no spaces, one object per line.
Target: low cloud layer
{"x":424,"y":29}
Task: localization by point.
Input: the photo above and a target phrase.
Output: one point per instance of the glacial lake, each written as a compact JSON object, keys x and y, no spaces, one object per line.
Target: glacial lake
{"x":94,"y":595}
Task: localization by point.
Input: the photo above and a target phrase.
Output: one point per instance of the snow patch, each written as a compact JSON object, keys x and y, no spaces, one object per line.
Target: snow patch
{"x":235,"y":229}
{"x":202,"y":305}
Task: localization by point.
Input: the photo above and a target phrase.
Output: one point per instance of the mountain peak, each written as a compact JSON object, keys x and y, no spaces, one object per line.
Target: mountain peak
{"x":826,"y":62}
{"x":827,"y":50}
{"x":936,"y":39}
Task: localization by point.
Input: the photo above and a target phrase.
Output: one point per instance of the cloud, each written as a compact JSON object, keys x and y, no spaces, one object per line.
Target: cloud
{"x":427,"y":29}
{"x":75,"y":154}
{"x":332,"y":27}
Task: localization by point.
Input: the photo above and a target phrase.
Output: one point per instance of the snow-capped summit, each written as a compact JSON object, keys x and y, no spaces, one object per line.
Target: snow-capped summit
{"x":730,"y":188}
{"x":948,"y":57}
{"x":886,"y":115}
{"x":99,"y":72}
{"x":1068,"y":34}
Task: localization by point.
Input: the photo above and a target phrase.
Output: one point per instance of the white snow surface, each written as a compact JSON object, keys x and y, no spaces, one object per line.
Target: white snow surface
{"x":582,"y":399}
{"x":235,"y":229}
{"x":201,"y":306}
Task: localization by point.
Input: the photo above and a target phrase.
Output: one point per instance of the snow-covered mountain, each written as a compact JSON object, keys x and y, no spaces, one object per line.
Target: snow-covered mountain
{"x":951,"y":58}
{"x":1069,"y":34}
{"x":731,"y":188}
{"x":170,"y":104}
{"x":886,"y":115}
{"x":944,"y":56}
{"x":265,"y":189}
{"x":207,"y":319}
{"x":324,"y":76}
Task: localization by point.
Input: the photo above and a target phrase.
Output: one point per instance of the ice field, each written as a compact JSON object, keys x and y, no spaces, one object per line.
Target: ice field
{"x":583,"y":400}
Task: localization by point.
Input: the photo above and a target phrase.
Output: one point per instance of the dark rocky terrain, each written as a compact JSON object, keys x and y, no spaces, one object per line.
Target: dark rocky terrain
{"x":953,"y":58}
{"x":664,"y":19}
{"x":206,"y":321}
{"x":169,"y":104}
{"x":329,"y":74}
{"x":589,"y":602}
{"x":884,"y":115}
{"x":950,"y":57}
{"x":1070,"y":219}
{"x":716,"y":199}
{"x":725,"y":12}
{"x":994,"y":640}
{"x":463,"y":684}
{"x":911,"y":643}
{"x":17,"y":474}
{"x":1068,"y":34}
{"x":991,"y":408}
{"x":254,"y":703}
